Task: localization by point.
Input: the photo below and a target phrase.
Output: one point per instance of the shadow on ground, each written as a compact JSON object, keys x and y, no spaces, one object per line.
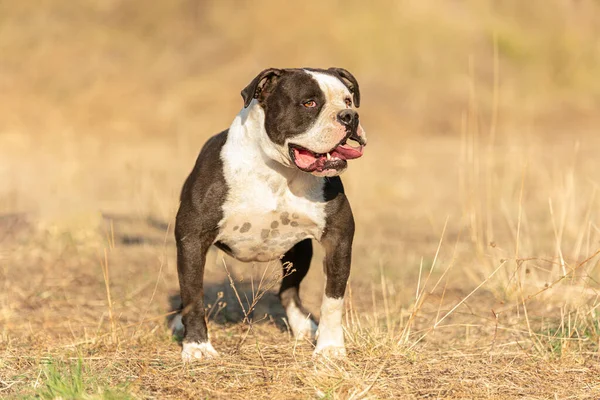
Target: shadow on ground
{"x":223,"y":306}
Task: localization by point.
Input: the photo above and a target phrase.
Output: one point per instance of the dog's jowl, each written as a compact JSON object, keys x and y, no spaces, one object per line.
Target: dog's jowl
{"x":267,"y":186}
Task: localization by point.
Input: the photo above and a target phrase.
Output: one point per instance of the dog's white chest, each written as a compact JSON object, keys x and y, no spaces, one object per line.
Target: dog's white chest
{"x":265,"y":213}
{"x":257,"y":227}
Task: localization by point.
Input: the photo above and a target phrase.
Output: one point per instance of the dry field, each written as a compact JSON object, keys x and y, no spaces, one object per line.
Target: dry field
{"x":476,"y":262}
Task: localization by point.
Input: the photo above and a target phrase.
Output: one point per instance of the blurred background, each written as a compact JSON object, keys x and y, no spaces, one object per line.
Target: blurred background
{"x":92,"y":91}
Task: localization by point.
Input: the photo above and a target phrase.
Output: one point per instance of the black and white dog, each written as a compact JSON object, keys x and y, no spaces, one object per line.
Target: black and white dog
{"x":265,"y":187}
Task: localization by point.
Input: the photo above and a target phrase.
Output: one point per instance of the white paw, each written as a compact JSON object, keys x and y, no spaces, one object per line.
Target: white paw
{"x":307,"y":330}
{"x":302,"y":326}
{"x":330,"y":352}
{"x":198,"y":351}
{"x":330,"y":336}
{"x":330,"y":343}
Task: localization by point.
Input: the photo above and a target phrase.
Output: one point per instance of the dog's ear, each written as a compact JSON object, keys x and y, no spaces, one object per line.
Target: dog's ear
{"x":351,"y":83}
{"x":260,"y":83}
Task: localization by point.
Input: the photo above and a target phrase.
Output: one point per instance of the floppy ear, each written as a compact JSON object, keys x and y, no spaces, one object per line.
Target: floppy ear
{"x":351,"y":83}
{"x":254,"y":89}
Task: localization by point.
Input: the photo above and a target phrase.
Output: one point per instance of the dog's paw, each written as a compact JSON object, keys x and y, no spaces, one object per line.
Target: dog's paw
{"x":198,"y":351}
{"x":303,"y":329}
{"x":331,"y":351}
{"x":301,"y":324}
{"x":330,"y":341}
{"x":307,"y":330}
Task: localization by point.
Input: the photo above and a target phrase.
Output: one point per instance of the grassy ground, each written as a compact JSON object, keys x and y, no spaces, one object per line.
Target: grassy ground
{"x":475,"y":270}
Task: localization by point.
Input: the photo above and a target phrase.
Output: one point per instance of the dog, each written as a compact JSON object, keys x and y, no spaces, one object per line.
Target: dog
{"x":262,"y":189}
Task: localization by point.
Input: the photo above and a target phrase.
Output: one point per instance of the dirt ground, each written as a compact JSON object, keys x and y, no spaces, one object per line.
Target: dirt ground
{"x":476,"y":259}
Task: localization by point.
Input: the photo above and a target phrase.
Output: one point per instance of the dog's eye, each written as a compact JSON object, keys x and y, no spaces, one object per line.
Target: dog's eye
{"x":348,"y":102}
{"x":310,"y":104}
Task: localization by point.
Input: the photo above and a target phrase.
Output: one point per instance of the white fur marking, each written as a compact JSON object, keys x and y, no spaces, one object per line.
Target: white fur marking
{"x":263,"y":191}
{"x":196,"y":351}
{"x":330,"y":335}
{"x":302,"y":326}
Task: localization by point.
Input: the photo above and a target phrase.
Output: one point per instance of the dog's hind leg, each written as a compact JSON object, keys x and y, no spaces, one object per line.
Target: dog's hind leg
{"x":296,"y":263}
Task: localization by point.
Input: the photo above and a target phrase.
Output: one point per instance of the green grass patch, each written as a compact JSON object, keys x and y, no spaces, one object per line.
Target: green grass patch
{"x":66,"y":380}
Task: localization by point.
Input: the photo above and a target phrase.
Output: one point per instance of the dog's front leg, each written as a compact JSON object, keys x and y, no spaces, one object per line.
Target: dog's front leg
{"x":337,"y":241}
{"x":192,"y":247}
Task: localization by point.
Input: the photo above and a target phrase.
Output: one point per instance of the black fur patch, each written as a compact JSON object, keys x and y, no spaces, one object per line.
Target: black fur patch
{"x":285,"y":114}
{"x":337,"y":241}
{"x":196,"y":228}
{"x":333,"y":187}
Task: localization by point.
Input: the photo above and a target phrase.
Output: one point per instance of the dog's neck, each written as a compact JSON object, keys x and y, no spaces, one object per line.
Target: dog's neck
{"x":248,"y":131}
{"x":255,"y":150}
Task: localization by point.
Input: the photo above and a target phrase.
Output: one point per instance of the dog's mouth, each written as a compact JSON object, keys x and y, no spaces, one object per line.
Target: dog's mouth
{"x":334,"y":159}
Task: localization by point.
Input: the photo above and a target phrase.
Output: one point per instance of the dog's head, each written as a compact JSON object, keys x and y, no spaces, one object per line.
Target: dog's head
{"x":310,"y":117}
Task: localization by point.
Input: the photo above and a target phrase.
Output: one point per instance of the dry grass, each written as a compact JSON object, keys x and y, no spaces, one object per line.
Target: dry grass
{"x":476,"y":261}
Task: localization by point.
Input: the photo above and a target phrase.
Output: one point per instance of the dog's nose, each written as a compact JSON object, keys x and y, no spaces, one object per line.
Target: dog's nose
{"x":348,"y":118}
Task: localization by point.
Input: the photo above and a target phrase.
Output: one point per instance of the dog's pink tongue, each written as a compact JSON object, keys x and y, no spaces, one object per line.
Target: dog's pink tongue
{"x":347,"y":152}
{"x":304,"y":159}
